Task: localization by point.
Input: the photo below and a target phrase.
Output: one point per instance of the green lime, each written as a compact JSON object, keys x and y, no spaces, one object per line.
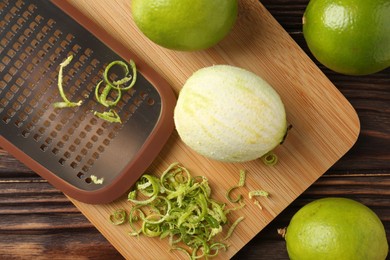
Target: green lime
{"x":336,"y":228}
{"x":349,"y":36}
{"x":186,"y":25}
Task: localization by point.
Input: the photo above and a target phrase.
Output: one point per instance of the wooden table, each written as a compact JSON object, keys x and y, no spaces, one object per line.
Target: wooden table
{"x":39,"y":222}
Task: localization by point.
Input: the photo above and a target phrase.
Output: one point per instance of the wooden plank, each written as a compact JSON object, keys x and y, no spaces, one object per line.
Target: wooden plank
{"x":325,"y":125}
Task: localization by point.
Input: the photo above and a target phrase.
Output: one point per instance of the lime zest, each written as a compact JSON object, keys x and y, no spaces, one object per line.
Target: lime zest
{"x":102,"y":97}
{"x":66,"y":102}
{"x":232,"y":227}
{"x":110,"y":116}
{"x":257,"y":203}
{"x":269,"y":159}
{"x":96,"y":180}
{"x":261,"y":193}
{"x":241,"y":183}
{"x":118,"y":217}
{"x":178,"y":207}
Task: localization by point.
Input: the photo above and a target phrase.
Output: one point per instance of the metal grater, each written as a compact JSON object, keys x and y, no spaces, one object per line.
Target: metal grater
{"x":69,"y":145}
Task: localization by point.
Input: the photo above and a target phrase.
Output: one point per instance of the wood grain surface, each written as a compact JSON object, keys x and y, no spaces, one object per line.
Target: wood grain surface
{"x":37,"y":221}
{"x":325,"y":126}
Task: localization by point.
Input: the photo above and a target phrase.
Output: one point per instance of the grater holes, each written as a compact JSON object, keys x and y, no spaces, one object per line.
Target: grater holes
{"x":80,"y":175}
{"x":18,"y":123}
{"x":77,"y":141}
{"x":101,"y":148}
{"x":25,"y":133}
{"x":14,"y":89}
{"x":53,"y":134}
{"x":106,"y":142}
{"x":62,"y":161}
{"x":44,"y":147}
{"x":6,"y":119}
{"x":88,"y":180}
{"x":41,"y":54}
{"x":94,"y":138}
{"x":21,"y":21}
{"x":100,"y":131}
{"x":31,"y":8}
{"x":33,"y":25}
{"x":76,"y":48}
{"x":20,"y":82}
{"x":28,"y":110}
{"x":89,"y":145}
{"x":7,"y":77}
{"x":88,"y":128}
{"x":11,"y":53}
{"x":65,"y":138}
{"x":3,"y":84}
{"x":84,"y":151}
{"x":150,"y":101}
{"x":9,"y":95}
{"x":39,"y":18}
{"x":41,"y":130}
{"x":48,"y":140}
{"x":73,"y":165}
{"x":21,"y":40}
{"x":4,"y":42}
{"x":15,"y":28}
{"x":26,"y":15}
{"x":82,"y":134}
{"x":5,"y":60}
{"x":90,"y":162}
{"x":55,"y":150}
{"x":67,"y":155}
{"x":9,"y":35}
{"x":28,"y":32}
{"x":95,"y":155}
{"x":46,"y":47}
{"x":37,"y":137}
{"x":16,"y":106}
{"x":23,"y":56}
{"x":72,"y":148}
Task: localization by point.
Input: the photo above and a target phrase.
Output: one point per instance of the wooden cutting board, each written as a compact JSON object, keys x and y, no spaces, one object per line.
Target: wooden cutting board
{"x":325,"y":126}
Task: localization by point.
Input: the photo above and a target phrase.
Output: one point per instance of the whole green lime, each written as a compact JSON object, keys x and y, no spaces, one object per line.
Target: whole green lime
{"x":336,"y":228}
{"x":186,"y":25}
{"x":349,"y":36}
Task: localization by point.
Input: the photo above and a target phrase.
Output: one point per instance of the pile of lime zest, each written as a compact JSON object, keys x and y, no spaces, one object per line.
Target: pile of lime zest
{"x":66,"y":102}
{"x":178,"y":206}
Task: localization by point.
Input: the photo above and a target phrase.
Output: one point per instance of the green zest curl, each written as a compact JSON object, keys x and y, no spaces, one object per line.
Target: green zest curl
{"x":269,"y":159}
{"x":66,"y":102}
{"x":241,"y":183}
{"x":120,"y":85}
{"x":118,"y":217}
